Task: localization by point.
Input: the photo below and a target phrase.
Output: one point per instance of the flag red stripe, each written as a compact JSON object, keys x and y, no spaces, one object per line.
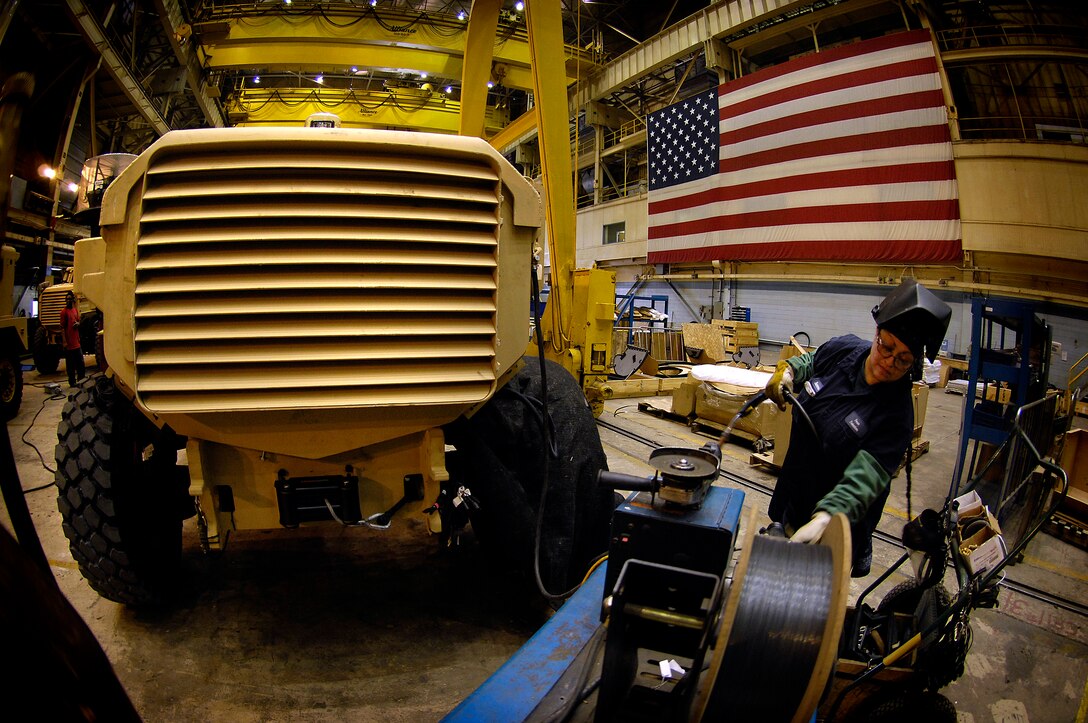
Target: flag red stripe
{"x":851,"y":213}
{"x":877,"y":175}
{"x":874,"y":250}
{"x":892,"y":71}
{"x":895,"y":138}
{"x":897,"y":40}
{"x":848,"y":111}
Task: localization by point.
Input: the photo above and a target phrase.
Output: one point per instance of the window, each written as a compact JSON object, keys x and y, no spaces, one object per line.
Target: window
{"x":615,"y":233}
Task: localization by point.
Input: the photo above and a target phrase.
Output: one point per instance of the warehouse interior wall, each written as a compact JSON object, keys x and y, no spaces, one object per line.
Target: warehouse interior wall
{"x":823,"y":311}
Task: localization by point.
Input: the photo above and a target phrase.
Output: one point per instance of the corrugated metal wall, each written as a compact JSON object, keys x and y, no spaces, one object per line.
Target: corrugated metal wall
{"x":825,"y":311}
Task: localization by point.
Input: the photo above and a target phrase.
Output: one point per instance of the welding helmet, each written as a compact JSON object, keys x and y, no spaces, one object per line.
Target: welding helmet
{"x":915,"y":316}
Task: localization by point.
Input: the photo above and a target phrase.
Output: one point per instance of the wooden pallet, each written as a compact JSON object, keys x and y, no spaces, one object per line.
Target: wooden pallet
{"x":764,"y":460}
{"x":647,"y":408}
{"x":918,"y":447}
{"x":1068,"y":529}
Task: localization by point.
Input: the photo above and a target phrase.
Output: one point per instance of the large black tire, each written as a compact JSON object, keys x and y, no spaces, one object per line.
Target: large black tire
{"x":46,"y":356}
{"x":120,"y":495}
{"x":501,"y":457}
{"x":941,"y":661}
{"x":89,"y":326}
{"x":11,"y":384}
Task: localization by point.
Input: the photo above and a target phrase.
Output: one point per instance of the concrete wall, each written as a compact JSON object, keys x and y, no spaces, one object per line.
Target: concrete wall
{"x":1024,"y":198}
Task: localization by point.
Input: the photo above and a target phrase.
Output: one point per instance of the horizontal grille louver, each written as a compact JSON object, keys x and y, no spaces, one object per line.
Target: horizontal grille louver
{"x":284,"y":278}
{"x":50,"y":304}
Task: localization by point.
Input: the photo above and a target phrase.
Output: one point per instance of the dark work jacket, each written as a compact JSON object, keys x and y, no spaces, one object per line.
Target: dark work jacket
{"x":878,"y":419}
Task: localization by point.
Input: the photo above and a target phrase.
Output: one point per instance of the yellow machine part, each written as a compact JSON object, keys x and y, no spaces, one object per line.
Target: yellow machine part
{"x":586,"y":353}
{"x":246,"y":499}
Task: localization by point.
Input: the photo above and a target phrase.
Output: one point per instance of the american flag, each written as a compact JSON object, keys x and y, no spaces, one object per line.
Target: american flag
{"x":843,"y":154}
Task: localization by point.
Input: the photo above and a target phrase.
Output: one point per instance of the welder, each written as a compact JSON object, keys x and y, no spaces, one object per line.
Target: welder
{"x":858,"y":394}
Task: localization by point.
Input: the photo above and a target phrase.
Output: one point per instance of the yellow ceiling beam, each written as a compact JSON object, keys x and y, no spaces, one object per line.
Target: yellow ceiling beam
{"x":477,"y":65}
{"x":312,"y":44}
{"x":404,"y":109}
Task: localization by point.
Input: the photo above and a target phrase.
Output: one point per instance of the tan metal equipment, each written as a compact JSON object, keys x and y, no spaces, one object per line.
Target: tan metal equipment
{"x":301,"y":310}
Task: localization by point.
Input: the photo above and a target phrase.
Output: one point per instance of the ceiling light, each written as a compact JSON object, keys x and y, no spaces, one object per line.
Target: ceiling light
{"x":354,"y":69}
{"x":422,"y":75}
{"x":72,"y":187}
{"x":460,"y":14}
{"x":519,"y":6}
{"x":46,"y":171}
{"x":449,"y":88}
{"x":490,"y":84}
{"x":257,"y":79}
{"x":319,"y":79}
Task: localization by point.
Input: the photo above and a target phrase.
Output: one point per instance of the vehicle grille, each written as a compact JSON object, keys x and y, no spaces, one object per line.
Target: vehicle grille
{"x":50,"y":303}
{"x":339,"y":274}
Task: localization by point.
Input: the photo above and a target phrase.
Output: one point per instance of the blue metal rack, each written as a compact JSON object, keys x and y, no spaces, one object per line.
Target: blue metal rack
{"x":625,"y":306}
{"x":1010,"y":346}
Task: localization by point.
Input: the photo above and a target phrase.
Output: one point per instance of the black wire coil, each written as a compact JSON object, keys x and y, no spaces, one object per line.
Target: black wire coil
{"x":775,"y":640}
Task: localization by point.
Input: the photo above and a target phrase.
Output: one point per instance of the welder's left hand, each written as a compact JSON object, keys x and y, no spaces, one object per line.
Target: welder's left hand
{"x":813,"y":530}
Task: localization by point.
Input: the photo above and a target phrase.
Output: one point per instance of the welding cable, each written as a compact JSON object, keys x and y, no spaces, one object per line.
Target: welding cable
{"x":776,"y":636}
{"x":53,"y":396}
{"x":549,"y":448}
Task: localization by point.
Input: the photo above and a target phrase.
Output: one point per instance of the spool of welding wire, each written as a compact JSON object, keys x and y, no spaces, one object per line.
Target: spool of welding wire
{"x":779,"y":637}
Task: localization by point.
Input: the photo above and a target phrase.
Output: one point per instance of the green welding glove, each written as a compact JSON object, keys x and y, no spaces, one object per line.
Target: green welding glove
{"x":780,"y":384}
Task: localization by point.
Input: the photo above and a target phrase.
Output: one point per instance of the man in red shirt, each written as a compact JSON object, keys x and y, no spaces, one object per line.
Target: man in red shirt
{"x":73,"y":349}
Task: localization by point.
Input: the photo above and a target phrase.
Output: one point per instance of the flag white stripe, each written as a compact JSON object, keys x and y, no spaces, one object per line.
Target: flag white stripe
{"x":925,"y":153}
{"x":875,"y":92}
{"x":948,"y":230}
{"x":839,"y":129}
{"x":874,"y":194}
{"x":843,"y":66}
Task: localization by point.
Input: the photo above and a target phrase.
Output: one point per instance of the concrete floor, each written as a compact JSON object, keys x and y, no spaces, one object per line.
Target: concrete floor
{"x":332,"y":624}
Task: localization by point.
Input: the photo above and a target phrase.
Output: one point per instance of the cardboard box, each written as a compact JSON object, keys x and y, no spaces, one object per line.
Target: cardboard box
{"x":793,"y":349}
{"x":1001,"y":394}
{"x":1074,"y":461}
{"x":782,"y":425}
{"x":979,"y":535}
{"x":920,"y":398}
{"x":942,"y":380}
{"x":721,"y":407}
{"x":683,"y":397}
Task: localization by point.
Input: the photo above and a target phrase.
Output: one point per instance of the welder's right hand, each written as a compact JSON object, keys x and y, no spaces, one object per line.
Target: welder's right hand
{"x":780,"y":385}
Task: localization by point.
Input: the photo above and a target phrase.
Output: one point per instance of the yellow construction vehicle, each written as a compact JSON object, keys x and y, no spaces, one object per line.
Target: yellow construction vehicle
{"x":47,"y":347}
{"x":332,"y":324}
{"x":14,"y":95}
{"x":13,"y":342}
